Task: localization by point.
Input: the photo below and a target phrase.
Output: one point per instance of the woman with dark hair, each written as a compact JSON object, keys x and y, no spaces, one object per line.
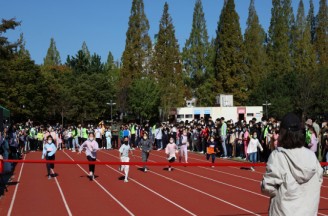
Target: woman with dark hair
{"x":49,"y":151}
{"x":293,"y":174}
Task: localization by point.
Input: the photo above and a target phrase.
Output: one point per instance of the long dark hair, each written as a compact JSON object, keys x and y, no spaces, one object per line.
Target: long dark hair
{"x":289,"y":139}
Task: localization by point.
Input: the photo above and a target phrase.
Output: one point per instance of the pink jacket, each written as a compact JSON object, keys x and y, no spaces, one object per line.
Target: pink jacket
{"x":314,"y":143}
{"x":170,"y":150}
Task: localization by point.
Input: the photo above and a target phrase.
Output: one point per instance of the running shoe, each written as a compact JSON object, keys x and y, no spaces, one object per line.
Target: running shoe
{"x":125,"y":180}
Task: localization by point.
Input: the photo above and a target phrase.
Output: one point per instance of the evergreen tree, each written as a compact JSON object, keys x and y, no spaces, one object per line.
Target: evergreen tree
{"x":86,"y":51}
{"x":96,"y":66}
{"x":110,"y":64}
{"x":303,"y":58}
{"x":137,"y":51}
{"x":230,"y":69}
{"x":321,"y":38}
{"x":279,"y":39}
{"x":255,"y":49}
{"x":311,"y":21}
{"x":195,"y":55}
{"x":22,"y":51}
{"x":7,"y":48}
{"x":52,"y":58}
{"x":166,"y":65}
{"x":79,"y":63}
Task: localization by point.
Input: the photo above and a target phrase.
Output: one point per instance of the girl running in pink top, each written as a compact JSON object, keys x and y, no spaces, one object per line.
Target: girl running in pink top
{"x":171,"y":150}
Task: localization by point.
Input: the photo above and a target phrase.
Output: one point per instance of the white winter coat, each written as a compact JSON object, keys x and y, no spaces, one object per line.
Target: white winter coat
{"x":293,"y":179}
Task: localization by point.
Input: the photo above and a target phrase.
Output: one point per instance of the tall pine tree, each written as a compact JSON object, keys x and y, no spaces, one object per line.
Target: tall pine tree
{"x":195,"y":55}
{"x":52,"y":58}
{"x":279,"y":39}
{"x":321,"y":37}
{"x":311,"y":20}
{"x":229,"y":64}
{"x":254,"y":48}
{"x":86,"y":51}
{"x":303,"y":58}
{"x":136,"y":55}
{"x":166,"y":65}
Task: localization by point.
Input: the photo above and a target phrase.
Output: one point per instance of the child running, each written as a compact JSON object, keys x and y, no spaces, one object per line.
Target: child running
{"x":171,"y":150}
{"x":91,"y":147}
{"x":254,"y":143}
{"x":184,"y":144}
{"x":49,"y":151}
{"x":211,"y":149}
{"x":145,"y":146}
{"x":124,"y":151}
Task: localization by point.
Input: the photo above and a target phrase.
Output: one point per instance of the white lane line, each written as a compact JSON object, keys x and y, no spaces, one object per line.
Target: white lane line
{"x":219,"y":182}
{"x":325,"y":198}
{"x":200,"y":191}
{"x":104,"y":189}
{"x":147,"y":188}
{"x":322,"y":214}
{"x":63,"y":197}
{"x":16,"y":188}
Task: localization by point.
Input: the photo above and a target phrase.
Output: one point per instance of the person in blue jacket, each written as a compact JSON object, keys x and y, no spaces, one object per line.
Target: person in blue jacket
{"x":49,"y":151}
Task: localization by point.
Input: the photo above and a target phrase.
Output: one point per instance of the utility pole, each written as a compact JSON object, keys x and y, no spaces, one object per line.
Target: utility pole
{"x":111,"y":108}
{"x":266,"y":108}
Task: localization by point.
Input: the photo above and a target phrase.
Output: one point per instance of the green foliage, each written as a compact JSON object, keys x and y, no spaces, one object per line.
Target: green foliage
{"x":321,"y":36}
{"x":136,"y":55}
{"x":6,"y":47}
{"x":279,"y":38}
{"x":144,"y":98}
{"x":52,"y":58}
{"x":166,"y":65}
{"x":311,"y":21}
{"x":303,"y":54}
{"x":80,"y":63}
{"x":229,"y":64}
{"x":256,"y":58}
{"x":196,"y":54}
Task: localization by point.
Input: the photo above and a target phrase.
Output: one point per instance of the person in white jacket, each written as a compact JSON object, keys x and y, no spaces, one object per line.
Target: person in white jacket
{"x":293,"y":175}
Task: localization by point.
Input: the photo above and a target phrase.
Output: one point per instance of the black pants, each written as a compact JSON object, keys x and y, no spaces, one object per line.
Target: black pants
{"x":210,"y":155}
{"x":50,"y":165}
{"x":32,"y":144}
{"x":99,"y":141}
{"x":115,"y":141}
{"x":172,"y":160}
{"x":40,"y":145}
{"x":91,"y":166}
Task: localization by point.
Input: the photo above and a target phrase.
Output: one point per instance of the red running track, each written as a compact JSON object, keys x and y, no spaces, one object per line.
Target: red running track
{"x":184,"y":191}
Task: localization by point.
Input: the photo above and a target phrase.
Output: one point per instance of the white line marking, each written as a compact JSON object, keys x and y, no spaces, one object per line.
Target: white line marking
{"x":227,"y":174}
{"x":202,"y":192}
{"x":104,"y":189}
{"x":16,"y":188}
{"x":63,"y":197}
{"x":147,"y":188}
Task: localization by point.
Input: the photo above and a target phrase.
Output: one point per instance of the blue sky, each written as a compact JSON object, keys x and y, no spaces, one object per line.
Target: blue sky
{"x":102,"y":24}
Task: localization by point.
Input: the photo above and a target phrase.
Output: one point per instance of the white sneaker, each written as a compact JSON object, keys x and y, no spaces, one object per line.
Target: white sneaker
{"x":125,"y":180}
{"x":169,"y":169}
{"x":252,"y":169}
{"x":73,"y":150}
{"x":201,"y":152}
{"x":145,"y":170}
{"x":159,"y":149}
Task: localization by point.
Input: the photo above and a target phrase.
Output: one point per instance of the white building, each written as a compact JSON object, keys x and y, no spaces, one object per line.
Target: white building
{"x":224,"y":109}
